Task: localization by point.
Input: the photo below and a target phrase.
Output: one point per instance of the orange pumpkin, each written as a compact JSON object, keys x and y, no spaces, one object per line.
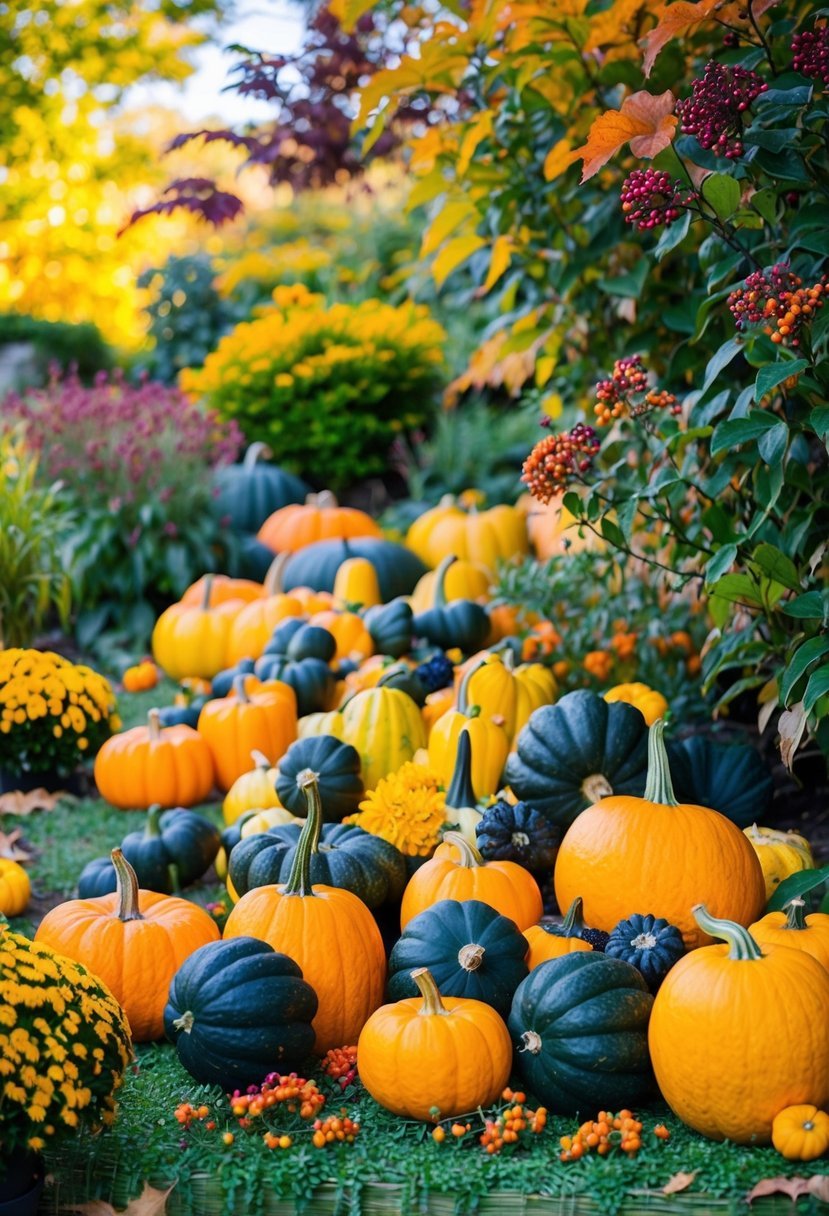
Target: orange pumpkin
{"x":625,"y":854}
{"x":133,"y":940}
{"x":801,"y":1133}
{"x":452,"y":1053}
{"x":168,"y":765}
{"x":252,"y":628}
{"x":141,"y":677}
{"x":553,"y":941}
{"x":330,"y":933}
{"x":458,"y":871}
{"x":348,"y":630}
{"x":791,"y":928}
{"x":319,"y":518}
{"x":254,"y":718}
{"x":215,"y":589}
{"x":191,"y":639}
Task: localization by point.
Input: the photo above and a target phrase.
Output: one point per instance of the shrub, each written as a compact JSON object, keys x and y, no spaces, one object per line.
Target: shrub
{"x":69,"y":346}
{"x":327,"y":387}
{"x":136,"y":460}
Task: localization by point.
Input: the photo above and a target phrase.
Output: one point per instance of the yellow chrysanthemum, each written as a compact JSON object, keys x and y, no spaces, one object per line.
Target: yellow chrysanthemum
{"x":407,"y":808}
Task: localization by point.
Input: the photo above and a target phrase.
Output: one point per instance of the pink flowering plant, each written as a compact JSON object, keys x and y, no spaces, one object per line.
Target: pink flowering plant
{"x":137,"y":459}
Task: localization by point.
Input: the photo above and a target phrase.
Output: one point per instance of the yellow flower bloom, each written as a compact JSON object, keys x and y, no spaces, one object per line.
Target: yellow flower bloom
{"x":407,"y":808}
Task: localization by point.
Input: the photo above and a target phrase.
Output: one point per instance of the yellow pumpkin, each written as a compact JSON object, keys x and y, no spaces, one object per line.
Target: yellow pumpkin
{"x":383,"y":724}
{"x":251,"y":630}
{"x":650,"y":703}
{"x":356,"y":582}
{"x":486,"y":537}
{"x":535,"y":686}
{"x":252,"y":791}
{"x":490,"y":744}
{"x":780,"y":854}
{"x":464,"y":580}
{"x":504,"y":691}
{"x":192,"y":639}
{"x":263,"y":821}
{"x":15,"y":888}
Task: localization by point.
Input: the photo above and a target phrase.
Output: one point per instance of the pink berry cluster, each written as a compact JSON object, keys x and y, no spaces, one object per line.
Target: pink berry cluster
{"x":652,"y":199}
{"x":627,"y":394}
{"x":714,"y":111}
{"x":776,"y":299}
{"x":558,"y":459}
{"x":810,"y":54}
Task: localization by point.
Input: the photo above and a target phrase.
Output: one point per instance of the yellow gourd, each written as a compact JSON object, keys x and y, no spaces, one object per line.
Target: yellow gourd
{"x":780,"y":854}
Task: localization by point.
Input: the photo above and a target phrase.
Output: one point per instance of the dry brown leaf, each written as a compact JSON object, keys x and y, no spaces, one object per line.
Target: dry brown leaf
{"x":10,"y":849}
{"x":19,"y":803}
{"x":149,"y":1203}
{"x":646,"y":121}
{"x":818,"y":1185}
{"x":679,"y":1182}
{"x":793,"y":1187}
{"x":791,"y":727}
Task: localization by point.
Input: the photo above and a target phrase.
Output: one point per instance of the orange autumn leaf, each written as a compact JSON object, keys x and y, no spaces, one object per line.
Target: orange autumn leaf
{"x":645,"y":121}
{"x":681,"y":18}
{"x":558,"y":159}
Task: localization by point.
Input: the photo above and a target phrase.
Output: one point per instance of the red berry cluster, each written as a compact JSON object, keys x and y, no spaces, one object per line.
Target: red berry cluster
{"x":714,"y":111}
{"x":333,"y":1129}
{"x":810,"y":54}
{"x":554,"y":461}
{"x":292,"y":1093}
{"x":605,"y":1133}
{"x":776,"y":299}
{"x":340,"y":1064}
{"x":651,"y":199}
{"x":626,"y":393}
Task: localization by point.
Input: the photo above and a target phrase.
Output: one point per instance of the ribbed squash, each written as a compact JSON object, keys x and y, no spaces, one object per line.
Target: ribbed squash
{"x":253,"y":790}
{"x":795,"y":930}
{"x":781,"y":854}
{"x":486,"y":537}
{"x":337,"y":766}
{"x":487,"y":736}
{"x":382,"y":724}
{"x":168,"y":765}
{"x":257,"y":717}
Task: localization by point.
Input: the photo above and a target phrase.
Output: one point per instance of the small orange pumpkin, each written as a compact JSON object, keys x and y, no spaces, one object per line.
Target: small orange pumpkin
{"x":791,"y":928}
{"x":211,"y":590}
{"x":141,"y":677}
{"x":135,"y":941}
{"x":452,"y":1053}
{"x":801,"y":1133}
{"x":320,"y":517}
{"x":546,"y":943}
{"x":15,"y":888}
{"x":252,"y":628}
{"x":168,"y":765}
{"x":458,"y":871}
{"x":348,"y":630}
{"x":254,"y":718}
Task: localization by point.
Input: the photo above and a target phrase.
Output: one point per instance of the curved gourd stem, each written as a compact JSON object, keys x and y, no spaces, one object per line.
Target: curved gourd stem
{"x":573,"y":923}
{"x":471,"y":956}
{"x":207,"y":591}
{"x":324,"y":500}
{"x":471,"y":711}
{"x":239,"y":690}
{"x":255,"y":453}
{"x":273,"y":577}
{"x":460,"y":792}
{"x":439,"y":598}
{"x":260,"y":760}
{"x":470,"y":857}
{"x":299,"y":879}
{"x":127,"y":888}
{"x":742,"y":945}
{"x":152,"y":829}
{"x":508,"y":659}
{"x":428,"y":989}
{"x":659,"y":788}
{"x":153,"y":725}
{"x":794,"y":914}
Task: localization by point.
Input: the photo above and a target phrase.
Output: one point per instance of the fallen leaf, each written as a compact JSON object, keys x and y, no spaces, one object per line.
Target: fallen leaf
{"x":679,"y":1182}
{"x":10,"y":849}
{"x":646,"y":121}
{"x":149,"y":1203}
{"x":793,"y":1187}
{"x":819,"y":1187}
{"x":19,"y":803}
{"x":791,"y":727}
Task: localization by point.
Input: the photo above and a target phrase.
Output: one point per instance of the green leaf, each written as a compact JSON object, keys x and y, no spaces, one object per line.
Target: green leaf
{"x":629,"y":286}
{"x":777,"y":565}
{"x":720,"y":563}
{"x":672,"y":236}
{"x":802,"y":660}
{"x":721,"y":359}
{"x":738,"y":588}
{"x":819,"y":421}
{"x":765,"y":202}
{"x":817,"y":687}
{"x":772,"y":445}
{"x":722,"y":192}
{"x":796,"y":886}
{"x":572,"y":503}
{"x":612,"y":533}
{"x":773,"y":374}
{"x":741,"y":430}
{"x":808,"y":607}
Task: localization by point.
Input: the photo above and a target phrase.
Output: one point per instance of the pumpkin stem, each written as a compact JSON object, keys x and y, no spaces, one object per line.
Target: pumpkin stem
{"x":531,"y":1042}
{"x":325,"y":500}
{"x":471,"y":956}
{"x":595,"y":787}
{"x":470,"y":857}
{"x":239,"y":690}
{"x":428,"y":989}
{"x":573,"y":924}
{"x":794,"y":914}
{"x":508,"y":659}
{"x":460,"y":792}
{"x":207,"y":592}
{"x":439,"y":598}
{"x":659,"y":788}
{"x":471,"y":711}
{"x":273,"y":578}
{"x":256,"y":452}
{"x":260,"y":760}
{"x":153,"y":725}
{"x":151,"y":828}
{"x":742,"y":945}
{"x":299,"y":879}
{"x":185,"y":1022}
{"x":127,"y":888}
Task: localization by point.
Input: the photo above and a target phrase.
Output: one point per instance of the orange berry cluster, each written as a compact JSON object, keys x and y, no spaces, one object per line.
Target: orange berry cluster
{"x":335,"y":1128}
{"x":556,"y":460}
{"x":622,"y":1131}
{"x":186,"y":1114}
{"x":504,"y":1129}
{"x":340,"y":1064}
{"x":276,"y":1140}
{"x":776,"y":300}
{"x":292,"y":1093}
{"x":626,"y":393}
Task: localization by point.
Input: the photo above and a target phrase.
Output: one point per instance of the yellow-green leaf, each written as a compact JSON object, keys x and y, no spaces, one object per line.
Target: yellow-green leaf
{"x":502,"y":248}
{"x":448,"y":220}
{"x":453,"y":254}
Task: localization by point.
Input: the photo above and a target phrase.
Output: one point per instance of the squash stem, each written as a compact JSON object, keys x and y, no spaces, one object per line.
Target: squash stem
{"x":299,"y":879}
{"x":573,"y":923}
{"x":256,"y":452}
{"x":153,"y":725}
{"x":207,"y":591}
{"x":273,"y":577}
{"x":152,"y":829}
{"x":460,"y":792}
{"x":470,"y":857}
{"x":260,"y":760}
{"x":742,"y":946}
{"x":127,"y":888}
{"x":659,"y":788}
{"x":471,"y":956}
{"x":428,"y":989}
{"x":439,"y":599}
{"x":239,"y":690}
{"x":471,"y":711}
{"x":794,"y":914}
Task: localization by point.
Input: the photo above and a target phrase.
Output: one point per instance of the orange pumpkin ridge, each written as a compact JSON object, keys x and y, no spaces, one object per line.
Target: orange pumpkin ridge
{"x":170,"y":765}
{"x":255,"y":717}
{"x":791,"y":928}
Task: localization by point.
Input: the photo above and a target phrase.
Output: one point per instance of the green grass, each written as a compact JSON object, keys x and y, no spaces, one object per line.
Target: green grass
{"x":148,"y":1143}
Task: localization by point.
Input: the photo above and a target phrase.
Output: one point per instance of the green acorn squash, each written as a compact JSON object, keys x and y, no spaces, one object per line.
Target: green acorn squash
{"x":175,"y":848}
{"x":390,"y":627}
{"x":252,"y":490}
{"x":649,"y":943}
{"x":337,"y":766}
{"x":237,"y":1010}
{"x":571,"y":754}
{"x":517,"y":832}
{"x":446,"y":624}
{"x":316,"y":566}
{"x":579,"y":1025}
{"x":731,"y":778}
{"x":470,"y":949}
